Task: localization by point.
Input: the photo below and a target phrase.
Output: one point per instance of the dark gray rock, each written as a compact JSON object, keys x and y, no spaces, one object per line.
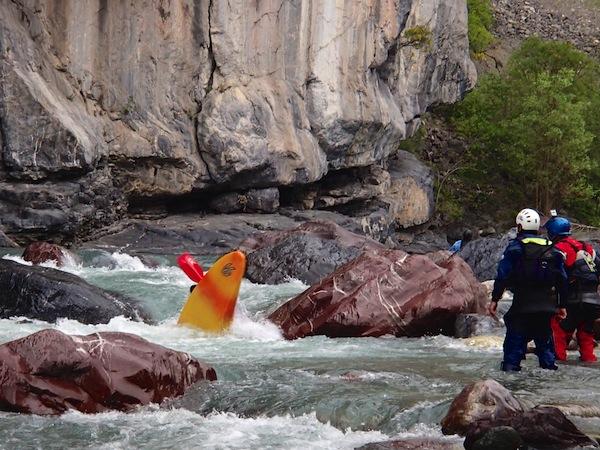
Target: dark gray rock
{"x":60,"y":209}
{"x":307,"y":258}
{"x":499,"y":438}
{"x":48,"y":294}
{"x":252,"y":201}
{"x":396,"y":194}
{"x":6,"y":242}
{"x":468,"y":325}
{"x":483,"y":255}
{"x":421,"y":243}
{"x":205,"y":234}
{"x":308,"y":253}
{"x":195,"y":233}
{"x":543,"y":427}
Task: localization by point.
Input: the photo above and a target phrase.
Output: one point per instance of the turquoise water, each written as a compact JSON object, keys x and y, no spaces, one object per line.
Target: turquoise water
{"x":271,"y":393}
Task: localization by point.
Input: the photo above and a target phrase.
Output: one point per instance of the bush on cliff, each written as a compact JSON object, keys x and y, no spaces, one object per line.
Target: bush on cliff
{"x":535,"y":131}
{"x":481,"y":20}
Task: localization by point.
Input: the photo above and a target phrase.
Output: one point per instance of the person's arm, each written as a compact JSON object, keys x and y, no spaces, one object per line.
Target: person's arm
{"x":562,"y":285}
{"x":505,"y":268}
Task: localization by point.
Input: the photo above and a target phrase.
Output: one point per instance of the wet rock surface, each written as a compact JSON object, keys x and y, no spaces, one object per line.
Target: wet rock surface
{"x":48,"y":294}
{"x":543,"y":427}
{"x":412,"y":444}
{"x":307,"y":253}
{"x":50,"y":373}
{"x":384,"y":292}
{"x":497,"y":438}
{"x":481,"y":400}
{"x":487,"y":414}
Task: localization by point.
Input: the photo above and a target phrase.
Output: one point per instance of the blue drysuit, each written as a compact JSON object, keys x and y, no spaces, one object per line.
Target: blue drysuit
{"x":533,"y":305}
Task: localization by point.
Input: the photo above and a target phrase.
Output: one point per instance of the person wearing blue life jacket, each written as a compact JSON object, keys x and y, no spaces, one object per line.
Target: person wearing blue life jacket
{"x":535,"y":272}
{"x":466,"y":237}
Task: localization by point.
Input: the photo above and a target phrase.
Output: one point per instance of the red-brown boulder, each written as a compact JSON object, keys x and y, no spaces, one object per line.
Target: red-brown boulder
{"x":486,"y":406}
{"x":40,"y":252}
{"x":49,"y":372}
{"x":385,"y":292}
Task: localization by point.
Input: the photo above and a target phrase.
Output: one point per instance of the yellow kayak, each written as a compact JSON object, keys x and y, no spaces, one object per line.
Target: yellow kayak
{"x":211,"y":304}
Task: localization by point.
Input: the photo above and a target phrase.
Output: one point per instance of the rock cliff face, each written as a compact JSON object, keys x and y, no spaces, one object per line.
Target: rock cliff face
{"x":105,"y":104}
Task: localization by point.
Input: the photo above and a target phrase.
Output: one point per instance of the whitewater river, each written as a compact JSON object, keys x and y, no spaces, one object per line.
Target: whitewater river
{"x":271,"y":393}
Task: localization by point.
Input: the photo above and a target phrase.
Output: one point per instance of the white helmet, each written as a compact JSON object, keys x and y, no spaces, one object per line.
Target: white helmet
{"x":529,"y":220}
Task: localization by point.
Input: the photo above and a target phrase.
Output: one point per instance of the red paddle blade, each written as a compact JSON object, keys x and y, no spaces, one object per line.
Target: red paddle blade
{"x":191,"y":268}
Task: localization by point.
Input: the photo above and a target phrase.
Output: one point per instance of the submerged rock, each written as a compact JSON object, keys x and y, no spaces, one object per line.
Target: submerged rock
{"x":40,"y":252}
{"x":307,"y":253}
{"x":50,"y":372}
{"x":469,"y":325}
{"x":385,"y":292}
{"x":49,"y":294}
{"x":486,"y":411}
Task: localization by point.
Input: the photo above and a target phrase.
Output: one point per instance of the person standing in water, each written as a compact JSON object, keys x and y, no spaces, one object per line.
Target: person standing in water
{"x":583,"y":301}
{"x":535,"y":272}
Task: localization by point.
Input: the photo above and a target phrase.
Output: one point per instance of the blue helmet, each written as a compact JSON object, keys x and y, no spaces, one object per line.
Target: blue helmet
{"x":558,"y":226}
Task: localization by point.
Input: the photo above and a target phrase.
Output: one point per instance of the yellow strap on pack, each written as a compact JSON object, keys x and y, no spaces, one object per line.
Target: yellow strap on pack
{"x":535,"y":240}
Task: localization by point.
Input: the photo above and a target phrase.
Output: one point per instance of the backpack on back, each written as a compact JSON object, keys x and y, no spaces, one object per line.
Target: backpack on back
{"x":538,"y":265}
{"x":584,"y":271}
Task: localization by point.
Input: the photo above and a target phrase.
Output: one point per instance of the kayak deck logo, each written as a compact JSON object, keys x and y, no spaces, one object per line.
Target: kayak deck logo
{"x":228,"y":269}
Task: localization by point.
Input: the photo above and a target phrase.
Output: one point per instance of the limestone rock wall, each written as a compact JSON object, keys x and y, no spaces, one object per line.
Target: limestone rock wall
{"x":154,"y":99}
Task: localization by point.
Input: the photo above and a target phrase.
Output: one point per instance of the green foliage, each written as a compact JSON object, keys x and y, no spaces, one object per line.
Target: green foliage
{"x":593,"y":3}
{"x":535,"y":131}
{"x":414,"y":144}
{"x":129,"y":107}
{"x":481,"y":20}
{"x":419,"y":36}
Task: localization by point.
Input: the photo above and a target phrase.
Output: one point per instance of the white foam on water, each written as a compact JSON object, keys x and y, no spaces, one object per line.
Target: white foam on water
{"x":184,"y":429}
{"x":424,"y":431}
{"x":488,"y":344}
{"x":17,"y":259}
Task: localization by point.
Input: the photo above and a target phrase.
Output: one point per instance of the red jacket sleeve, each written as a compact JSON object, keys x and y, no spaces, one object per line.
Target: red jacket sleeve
{"x":568,"y":252}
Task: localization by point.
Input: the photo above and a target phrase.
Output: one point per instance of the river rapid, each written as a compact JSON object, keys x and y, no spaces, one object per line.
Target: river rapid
{"x":312,"y":393}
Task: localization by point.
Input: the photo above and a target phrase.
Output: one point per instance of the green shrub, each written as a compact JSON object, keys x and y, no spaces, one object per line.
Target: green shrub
{"x":535,"y":130}
{"x":481,"y":20}
{"x":419,"y":36}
